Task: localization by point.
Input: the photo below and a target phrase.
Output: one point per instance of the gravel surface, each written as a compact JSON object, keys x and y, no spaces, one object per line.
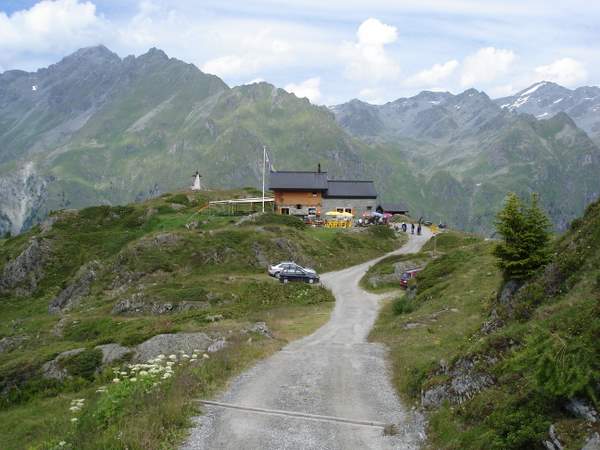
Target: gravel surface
{"x":333,"y":372}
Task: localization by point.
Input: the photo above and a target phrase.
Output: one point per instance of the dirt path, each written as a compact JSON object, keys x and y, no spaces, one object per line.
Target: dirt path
{"x":335,"y":372}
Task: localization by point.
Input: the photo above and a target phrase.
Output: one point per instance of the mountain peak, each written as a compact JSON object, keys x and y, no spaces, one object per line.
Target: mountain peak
{"x":154,"y":53}
{"x":94,"y":52}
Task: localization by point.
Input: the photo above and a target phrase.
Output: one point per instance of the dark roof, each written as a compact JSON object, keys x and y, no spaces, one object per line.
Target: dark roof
{"x":351,"y":189}
{"x":316,"y":181}
{"x":393,"y":207}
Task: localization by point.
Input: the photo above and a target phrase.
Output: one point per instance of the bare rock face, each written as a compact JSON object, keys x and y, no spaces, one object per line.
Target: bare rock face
{"x":22,"y":274}
{"x":54,"y":370}
{"x":112,"y":352}
{"x":465,"y":380}
{"x":172,"y":343}
{"x":78,"y":288}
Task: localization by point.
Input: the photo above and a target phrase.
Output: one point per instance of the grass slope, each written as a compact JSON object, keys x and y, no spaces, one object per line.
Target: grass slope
{"x":542,"y":351}
{"x":216,"y":268}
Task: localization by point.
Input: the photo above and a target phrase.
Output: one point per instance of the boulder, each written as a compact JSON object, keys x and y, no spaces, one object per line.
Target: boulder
{"x":78,"y":288}
{"x":9,"y":343}
{"x":172,"y":343}
{"x":54,"y":370}
{"x":260,"y":328}
{"x":112,"y":352}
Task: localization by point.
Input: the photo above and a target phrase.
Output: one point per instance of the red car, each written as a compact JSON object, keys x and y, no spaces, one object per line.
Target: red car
{"x":407,"y":276}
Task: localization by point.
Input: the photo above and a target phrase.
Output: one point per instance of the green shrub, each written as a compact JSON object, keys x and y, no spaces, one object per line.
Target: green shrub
{"x":180,"y":199}
{"x":90,"y":329}
{"x":403,"y":306}
{"x":382,"y":232}
{"x":527,"y":299}
{"x":278,"y":219}
{"x":84,"y":364}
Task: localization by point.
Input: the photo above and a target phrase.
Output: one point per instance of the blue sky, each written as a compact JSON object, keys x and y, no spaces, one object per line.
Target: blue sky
{"x":329,"y":51}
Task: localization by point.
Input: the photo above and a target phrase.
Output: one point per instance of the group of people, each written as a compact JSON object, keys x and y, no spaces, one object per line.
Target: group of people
{"x":404,"y":228}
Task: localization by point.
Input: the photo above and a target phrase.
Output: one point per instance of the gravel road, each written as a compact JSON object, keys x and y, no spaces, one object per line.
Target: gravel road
{"x":333,"y":372}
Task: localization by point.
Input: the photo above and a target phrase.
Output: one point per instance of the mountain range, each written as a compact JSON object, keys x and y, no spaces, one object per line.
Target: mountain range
{"x":95,"y":128}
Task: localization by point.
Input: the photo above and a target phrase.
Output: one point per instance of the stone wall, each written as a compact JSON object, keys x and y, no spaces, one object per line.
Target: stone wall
{"x":358,"y":205}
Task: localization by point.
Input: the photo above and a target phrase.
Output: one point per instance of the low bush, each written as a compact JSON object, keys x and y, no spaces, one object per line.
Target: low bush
{"x":277,"y":219}
{"x":382,"y":232}
{"x":180,"y":199}
{"x":403,"y":306}
{"x":84,"y":364}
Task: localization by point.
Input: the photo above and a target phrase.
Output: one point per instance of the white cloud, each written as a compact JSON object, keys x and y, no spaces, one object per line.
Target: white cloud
{"x":371,"y":95}
{"x":433,"y":75}
{"x":61,"y":25}
{"x":565,"y":71}
{"x":367,"y":57}
{"x":309,"y":88}
{"x":485,"y":66}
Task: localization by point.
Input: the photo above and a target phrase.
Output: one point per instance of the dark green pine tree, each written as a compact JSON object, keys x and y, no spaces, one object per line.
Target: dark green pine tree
{"x":525,"y":237}
{"x":510,"y":225}
{"x":536,"y":237}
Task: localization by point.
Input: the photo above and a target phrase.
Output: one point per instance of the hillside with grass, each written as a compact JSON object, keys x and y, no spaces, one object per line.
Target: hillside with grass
{"x":518,"y":371}
{"x":115,"y":319}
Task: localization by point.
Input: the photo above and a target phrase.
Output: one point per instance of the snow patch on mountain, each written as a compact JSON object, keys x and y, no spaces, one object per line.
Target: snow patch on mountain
{"x":533,"y":88}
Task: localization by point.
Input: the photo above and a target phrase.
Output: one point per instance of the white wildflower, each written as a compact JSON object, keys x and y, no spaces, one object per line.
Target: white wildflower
{"x":116,"y":380}
{"x":133,"y":379}
{"x":205,"y":356}
{"x":62,"y":443}
{"x":143,"y":373}
{"x":74,"y":419}
{"x":166,"y":375}
{"x":173,"y":357}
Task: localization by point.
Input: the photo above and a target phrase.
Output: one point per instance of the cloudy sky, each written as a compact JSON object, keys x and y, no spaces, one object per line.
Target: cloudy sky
{"x":329,"y":51}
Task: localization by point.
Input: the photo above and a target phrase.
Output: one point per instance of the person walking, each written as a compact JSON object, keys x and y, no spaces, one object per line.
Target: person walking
{"x":419,"y":230}
{"x":412,"y":228}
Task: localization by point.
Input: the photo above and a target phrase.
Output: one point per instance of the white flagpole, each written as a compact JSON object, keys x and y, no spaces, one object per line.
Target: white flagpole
{"x":263,"y":180}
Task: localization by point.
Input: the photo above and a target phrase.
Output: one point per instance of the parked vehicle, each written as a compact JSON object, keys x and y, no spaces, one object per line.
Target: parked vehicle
{"x":298,"y":274}
{"x":275,"y":270}
{"x":407,"y":276}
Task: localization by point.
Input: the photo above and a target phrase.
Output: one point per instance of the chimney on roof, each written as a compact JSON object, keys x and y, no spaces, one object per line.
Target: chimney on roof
{"x":319,"y":168}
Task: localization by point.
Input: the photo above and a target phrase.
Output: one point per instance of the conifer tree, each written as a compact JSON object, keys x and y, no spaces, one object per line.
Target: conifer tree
{"x":525,"y":238}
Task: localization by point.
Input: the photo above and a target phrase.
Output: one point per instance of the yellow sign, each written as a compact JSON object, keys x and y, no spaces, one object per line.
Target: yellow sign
{"x":434,"y":229}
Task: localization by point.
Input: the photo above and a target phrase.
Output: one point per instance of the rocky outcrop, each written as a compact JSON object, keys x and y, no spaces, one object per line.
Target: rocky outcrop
{"x":54,"y":369}
{"x":552,"y":443}
{"x":22,"y":274}
{"x":78,"y":288}
{"x":172,"y":343}
{"x":260,"y":328}
{"x":138,"y":303}
{"x":464,"y":380}
{"x":581,"y":408}
{"x":112,"y":352}
{"x":9,"y":343}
